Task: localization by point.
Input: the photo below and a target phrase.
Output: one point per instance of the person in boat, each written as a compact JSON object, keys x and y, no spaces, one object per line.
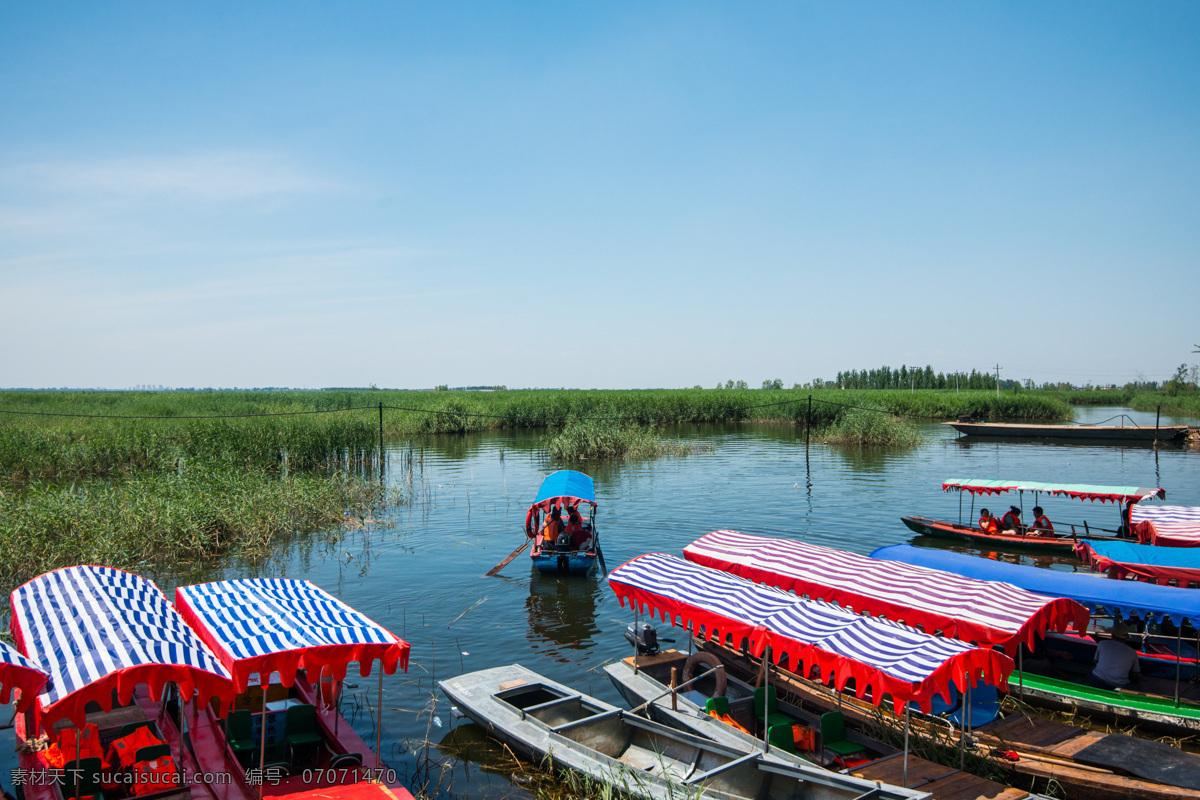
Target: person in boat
{"x":988,"y":523}
{"x":574,"y":524}
{"x":1041,"y":523}
{"x":554,"y":527}
{"x":1011,"y":522}
{"x":1116,"y":662}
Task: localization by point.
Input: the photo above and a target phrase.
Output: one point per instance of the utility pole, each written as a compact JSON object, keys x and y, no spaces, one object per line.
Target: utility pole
{"x":997,"y":379}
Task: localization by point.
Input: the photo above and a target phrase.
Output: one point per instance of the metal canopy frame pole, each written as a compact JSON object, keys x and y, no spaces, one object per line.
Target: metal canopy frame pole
{"x":636,"y":632}
{"x":907,"y":718}
{"x":1021,"y":671}
{"x":264,"y":680}
{"x":1178,"y":657}
{"x":379,"y":729}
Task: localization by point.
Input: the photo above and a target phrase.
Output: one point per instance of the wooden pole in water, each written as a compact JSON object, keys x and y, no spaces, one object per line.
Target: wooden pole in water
{"x":674,"y":683}
{"x":381,"y":442}
{"x":807,"y":421}
{"x":1157,"y":413}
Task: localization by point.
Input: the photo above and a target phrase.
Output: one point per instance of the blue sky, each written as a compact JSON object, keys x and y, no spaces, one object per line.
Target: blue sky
{"x":595,"y":194}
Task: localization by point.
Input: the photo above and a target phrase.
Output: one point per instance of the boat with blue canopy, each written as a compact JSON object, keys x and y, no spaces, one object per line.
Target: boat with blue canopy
{"x":1165,"y":660}
{"x":564,"y":540}
{"x":1143,"y":562}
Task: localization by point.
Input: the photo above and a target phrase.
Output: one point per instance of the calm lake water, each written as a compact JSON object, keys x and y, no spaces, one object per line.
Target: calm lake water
{"x":422,"y":576}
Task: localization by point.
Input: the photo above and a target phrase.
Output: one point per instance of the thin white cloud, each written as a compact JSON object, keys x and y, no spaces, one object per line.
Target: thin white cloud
{"x":217,"y":176}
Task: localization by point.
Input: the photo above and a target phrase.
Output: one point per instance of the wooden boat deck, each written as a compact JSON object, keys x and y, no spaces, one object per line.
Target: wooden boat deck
{"x":944,"y":783}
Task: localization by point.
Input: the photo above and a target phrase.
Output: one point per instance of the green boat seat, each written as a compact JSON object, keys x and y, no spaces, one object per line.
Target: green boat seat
{"x":781,"y":736}
{"x":303,"y":734}
{"x":766,"y":708}
{"x":130,"y":727}
{"x":238,"y":735}
{"x":151,"y":752}
{"x":717,"y":705}
{"x":82,"y":778}
{"x":833,"y":736}
{"x":345,"y":761}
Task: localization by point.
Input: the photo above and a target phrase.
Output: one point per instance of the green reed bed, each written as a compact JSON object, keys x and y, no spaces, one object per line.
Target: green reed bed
{"x":595,"y":440}
{"x":166,"y":520}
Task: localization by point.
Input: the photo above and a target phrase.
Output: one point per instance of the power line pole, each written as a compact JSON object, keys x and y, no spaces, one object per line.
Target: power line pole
{"x":997,"y":379}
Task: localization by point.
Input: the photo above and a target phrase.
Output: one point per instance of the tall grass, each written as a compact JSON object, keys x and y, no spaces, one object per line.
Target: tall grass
{"x":867,"y":427}
{"x":597,"y":440}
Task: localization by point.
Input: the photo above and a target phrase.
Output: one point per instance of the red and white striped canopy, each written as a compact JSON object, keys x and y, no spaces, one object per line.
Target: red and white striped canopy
{"x":882,"y":657}
{"x":1168,"y":526}
{"x":973,"y":610}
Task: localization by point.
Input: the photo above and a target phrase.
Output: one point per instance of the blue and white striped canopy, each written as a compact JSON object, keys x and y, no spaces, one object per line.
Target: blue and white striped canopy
{"x":19,"y":672}
{"x":892,"y":658}
{"x":96,"y":629}
{"x":265,"y":625}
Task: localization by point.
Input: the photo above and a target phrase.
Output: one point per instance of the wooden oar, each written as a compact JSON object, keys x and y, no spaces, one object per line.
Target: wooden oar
{"x":496,"y":569}
{"x":600,"y":558}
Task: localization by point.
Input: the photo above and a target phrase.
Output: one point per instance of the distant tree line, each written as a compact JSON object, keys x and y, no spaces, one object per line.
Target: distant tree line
{"x":913,"y":378}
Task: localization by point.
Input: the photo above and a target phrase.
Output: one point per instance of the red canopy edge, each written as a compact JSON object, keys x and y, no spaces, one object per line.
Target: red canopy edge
{"x":1103,"y":497}
{"x":27,"y":683}
{"x":992,"y":666}
{"x":191,"y":680}
{"x":1057,"y":614}
{"x":287,"y":663}
{"x":1148,"y":573}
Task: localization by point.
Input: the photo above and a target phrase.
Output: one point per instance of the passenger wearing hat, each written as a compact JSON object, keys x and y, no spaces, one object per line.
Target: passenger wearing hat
{"x":1011,"y":522}
{"x":1116,"y":662}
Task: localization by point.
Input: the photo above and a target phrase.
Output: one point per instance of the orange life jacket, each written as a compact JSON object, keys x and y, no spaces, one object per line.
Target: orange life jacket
{"x":553,"y":528}
{"x":1010,"y":520}
{"x":127,"y":746}
{"x":989,"y":525}
{"x":1043,"y":525}
{"x":155,"y":776}
{"x":75,"y":743}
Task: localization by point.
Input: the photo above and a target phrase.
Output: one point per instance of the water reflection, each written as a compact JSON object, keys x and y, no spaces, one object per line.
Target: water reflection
{"x":562,"y":613}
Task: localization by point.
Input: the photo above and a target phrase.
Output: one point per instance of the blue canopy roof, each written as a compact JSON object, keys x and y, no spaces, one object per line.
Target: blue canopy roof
{"x":567,"y":483}
{"x":1118,"y":598}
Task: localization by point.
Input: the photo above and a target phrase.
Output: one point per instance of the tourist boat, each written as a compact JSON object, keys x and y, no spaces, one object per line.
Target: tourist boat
{"x":571,"y":550}
{"x":1166,"y":526}
{"x":118,"y":657}
{"x":644,"y":681}
{"x":1060,"y":542}
{"x":1178,"y":566}
{"x":297,"y":640}
{"x":136,"y":700}
{"x":1119,"y":433}
{"x":748,"y":625}
{"x":550,"y":723}
{"x":1087,"y":764}
{"x":1165,"y":662}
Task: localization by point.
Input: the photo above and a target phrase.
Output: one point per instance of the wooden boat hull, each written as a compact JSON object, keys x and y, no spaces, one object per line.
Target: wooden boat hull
{"x":950,"y":530}
{"x":1097,"y":432}
{"x":540,"y":719}
{"x":1046,"y":750}
{"x":1126,"y":708}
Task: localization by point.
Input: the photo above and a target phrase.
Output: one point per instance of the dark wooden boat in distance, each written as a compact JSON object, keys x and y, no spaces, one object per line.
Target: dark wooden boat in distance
{"x":1013,"y":430}
{"x":951,"y":530}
